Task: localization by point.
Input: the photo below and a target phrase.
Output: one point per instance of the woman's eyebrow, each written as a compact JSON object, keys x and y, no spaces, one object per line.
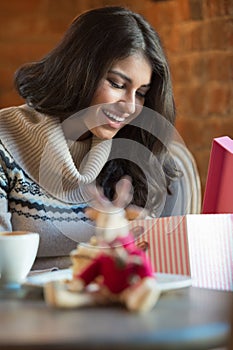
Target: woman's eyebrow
{"x":123,"y":76}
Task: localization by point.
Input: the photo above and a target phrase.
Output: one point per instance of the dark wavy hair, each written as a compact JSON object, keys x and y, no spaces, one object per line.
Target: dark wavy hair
{"x":65,"y":80}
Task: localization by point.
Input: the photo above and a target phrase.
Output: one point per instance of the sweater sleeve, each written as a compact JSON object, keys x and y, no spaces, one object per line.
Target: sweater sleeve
{"x":5,"y":215}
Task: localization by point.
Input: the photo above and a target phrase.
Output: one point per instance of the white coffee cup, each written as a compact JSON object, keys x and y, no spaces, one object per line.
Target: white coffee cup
{"x":18,"y":251}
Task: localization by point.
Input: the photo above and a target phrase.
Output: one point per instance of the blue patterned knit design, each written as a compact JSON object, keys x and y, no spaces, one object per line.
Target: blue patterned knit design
{"x":24,"y":198}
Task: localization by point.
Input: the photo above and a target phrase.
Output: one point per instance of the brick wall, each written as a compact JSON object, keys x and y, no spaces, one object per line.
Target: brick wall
{"x":198,"y":38}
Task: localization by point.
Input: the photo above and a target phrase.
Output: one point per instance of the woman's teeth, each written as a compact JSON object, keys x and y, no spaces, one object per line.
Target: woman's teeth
{"x":114,"y":117}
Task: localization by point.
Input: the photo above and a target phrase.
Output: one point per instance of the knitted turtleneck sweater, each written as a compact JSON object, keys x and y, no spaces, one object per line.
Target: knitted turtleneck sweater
{"x":41,"y":181}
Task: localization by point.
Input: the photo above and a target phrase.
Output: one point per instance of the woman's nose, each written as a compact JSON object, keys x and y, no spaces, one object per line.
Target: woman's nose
{"x":129,"y":103}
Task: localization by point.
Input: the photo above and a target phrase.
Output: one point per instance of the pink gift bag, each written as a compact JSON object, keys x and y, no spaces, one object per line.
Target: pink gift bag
{"x":218,"y":196}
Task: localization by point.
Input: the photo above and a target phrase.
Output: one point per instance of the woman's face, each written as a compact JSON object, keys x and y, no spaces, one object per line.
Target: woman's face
{"x":120,"y":96}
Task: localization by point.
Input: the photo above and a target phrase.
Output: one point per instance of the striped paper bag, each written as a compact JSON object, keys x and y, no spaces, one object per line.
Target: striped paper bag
{"x":200,"y":246}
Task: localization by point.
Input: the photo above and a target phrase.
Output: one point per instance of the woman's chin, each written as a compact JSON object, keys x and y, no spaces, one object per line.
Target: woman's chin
{"x":105,"y":132}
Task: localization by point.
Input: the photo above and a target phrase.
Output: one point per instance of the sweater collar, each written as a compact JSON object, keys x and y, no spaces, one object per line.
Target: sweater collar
{"x":38,"y":145}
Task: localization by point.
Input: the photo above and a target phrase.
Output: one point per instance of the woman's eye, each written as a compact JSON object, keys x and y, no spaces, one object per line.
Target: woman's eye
{"x":115,"y":85}
{"x":141,"y":94}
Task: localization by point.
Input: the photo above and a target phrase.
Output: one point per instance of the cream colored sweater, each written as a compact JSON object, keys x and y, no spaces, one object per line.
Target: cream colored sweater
{"x":41,"y":179}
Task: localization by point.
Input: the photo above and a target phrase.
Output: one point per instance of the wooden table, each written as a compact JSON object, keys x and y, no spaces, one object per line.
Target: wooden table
{"x":189,"y":318}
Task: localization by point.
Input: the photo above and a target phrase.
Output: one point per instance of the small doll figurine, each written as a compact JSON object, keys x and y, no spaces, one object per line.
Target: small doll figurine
{"x":119,"y":272}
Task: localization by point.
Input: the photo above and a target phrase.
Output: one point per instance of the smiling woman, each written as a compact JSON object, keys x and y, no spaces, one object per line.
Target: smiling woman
{"x":123,"y":88}
{"x":98,"y":107}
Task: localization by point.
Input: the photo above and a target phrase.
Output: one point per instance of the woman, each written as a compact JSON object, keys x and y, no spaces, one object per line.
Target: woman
{"x":98,"y":106}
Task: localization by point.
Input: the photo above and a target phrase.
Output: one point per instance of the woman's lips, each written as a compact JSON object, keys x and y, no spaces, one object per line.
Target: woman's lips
{"x":114,"y":120}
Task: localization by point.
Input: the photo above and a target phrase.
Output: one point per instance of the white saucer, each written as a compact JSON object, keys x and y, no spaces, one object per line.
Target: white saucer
{"x":169,"y":281}
{"x":165,"y":281}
